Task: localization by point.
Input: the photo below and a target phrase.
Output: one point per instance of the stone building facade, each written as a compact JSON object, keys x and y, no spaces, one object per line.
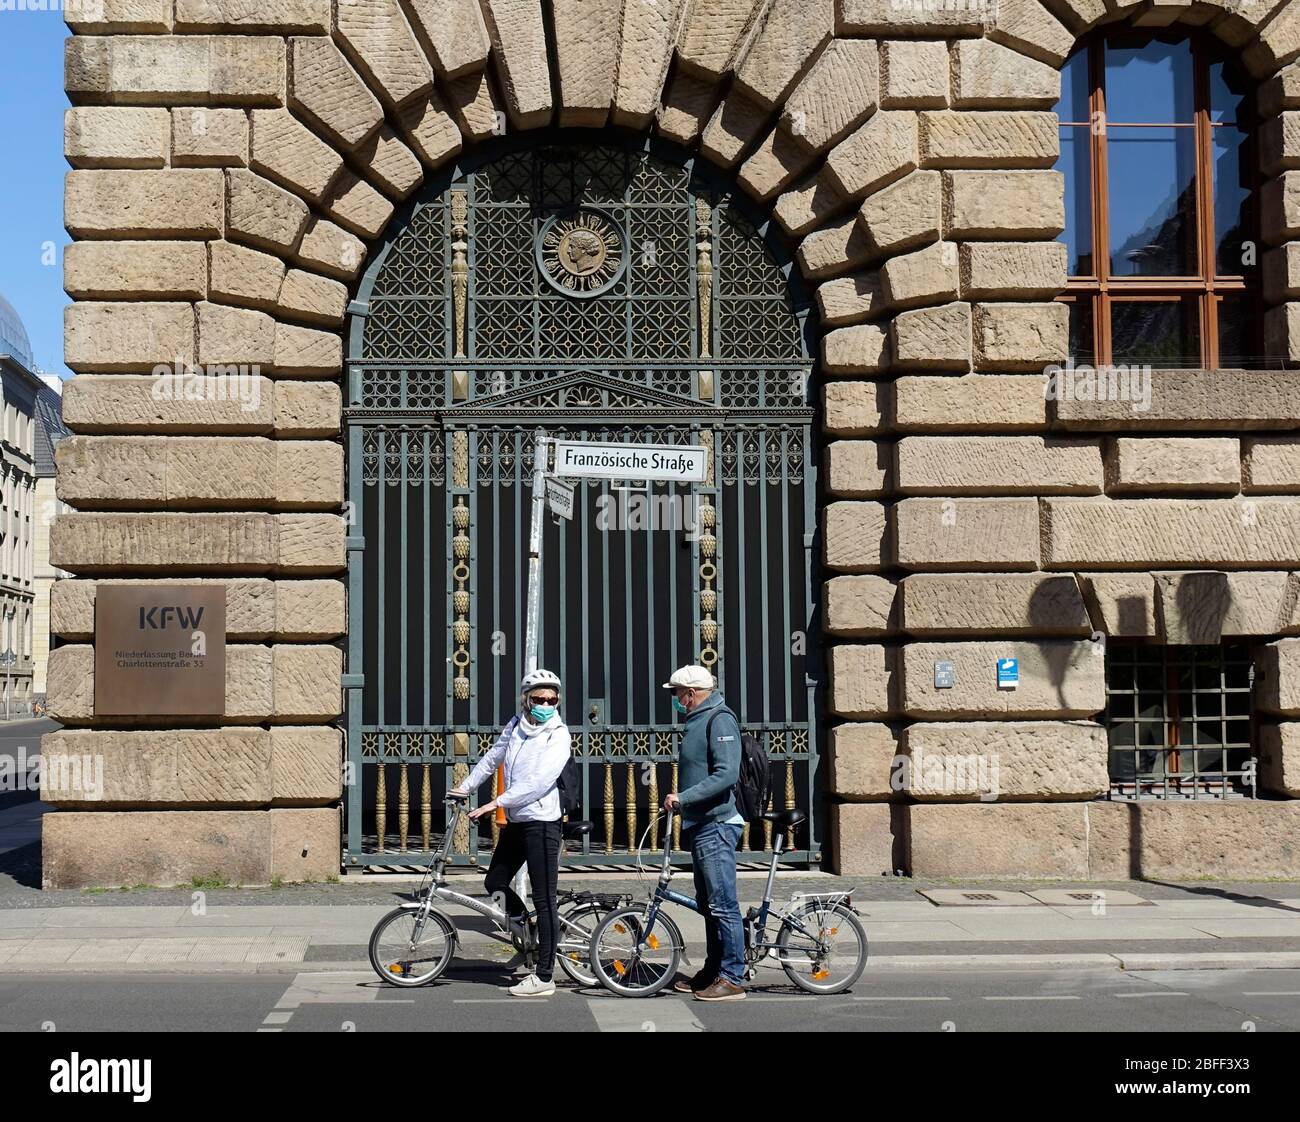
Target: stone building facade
{"x":236,"y":168}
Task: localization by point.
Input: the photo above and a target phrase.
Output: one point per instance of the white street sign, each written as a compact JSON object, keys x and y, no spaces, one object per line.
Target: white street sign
{"x":685,"y":463}
{"x":559,"y":497}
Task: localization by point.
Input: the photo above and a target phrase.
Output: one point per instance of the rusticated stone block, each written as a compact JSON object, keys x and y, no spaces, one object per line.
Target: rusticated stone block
{"x":253,"y":15}
{"x":1188,"y":400}
{"x":855,"y":537}
{"x":863,"y":685}
{"x":173,"y":203}
{"x":1279,"y":759}
{"x":1032,"y":29}
{"x":115,"y":137}
{"x":1012,"y":841}
{"x":838,"y":94}
{"x":789,"y":37}
{"x":914,"y":74}
{"x":1174,"y":464}
{"x":927,"y":276}
{"x":1121,"y":604}
{"x":330,"y":94}
{"x":863,"y":763}
{"x":167,"y":69}
{"x":713,"y":35}
{"x":290,"y":154}
{"x":235,"y":336}
{"x":773,"y":165}
{"x":989,"y":402}
{"x":474,"y":107}
{"x":854,"y":408}
{"x":1006,"y":761}
{"x":306,"y":765}
{"x":1282,"y":334}
{"x":862,"y":349}
{"x":331,"y":249}
{"x":933,"y":338}
{"x":879,"y":152}
{"x":1021,"y":336}
{"x":306,"y":353}
{"x":306,"y":409}
{"x":1278,"y":683}
{"x":837,"y":249}
{"x":300,"y":544}
{"x":998,"y":465}
{"x":732,"y":130}
{"x":1278,"y":42}
{"x":519,"y":44}
{"x":209,"y":138}
{"x":688,"y":104}
{"x":905,"y":214}
{"x":239,"y":275}
{"x":135,"y":270}
{"x":353,"y":203}
{"x":1279,"y":144}
{"x":988,"y":139}
{"x":95,"y":17}
{"x":105,"y":338}
{"x":86,"y":849}
{"x":587,"y":40}
{"x":645,"y":48}
{"x":1193,"y":840}
{"x":956,"y":534}
{"x":992,"y":604}
{"x":1012,"y":270}
{"x":1280,"y":206}
{"x":850,"y":299}
{"x":1170,"y":533}
{"x":868,"y":839}
{"x":1281,"y":269}
{"x":1271,"y":463}
{"x":859,"y":469}
{"x":123,"y":403}
{"x":377,"y":38}
{"x":889,"y":17}
{"x":1280,"y":92}
{"x":391,"y":164}
{"x":809,"y":203}
{"x":431,"y":131}
{"x":1058,"y":677}
{"x":307,"y":682}
{"x":1191,"y":606}
{"x":860,"y":606}
{"x":309,"y":609}
{"x":261,"y":214}
{"x":987,"y":75}
{"x":455,"y":34}
{"x":1004,"y":204}
{"x":313,"y":298}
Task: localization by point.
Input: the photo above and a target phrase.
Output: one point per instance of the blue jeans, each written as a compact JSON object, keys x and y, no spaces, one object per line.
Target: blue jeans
{"x":713,"y":853}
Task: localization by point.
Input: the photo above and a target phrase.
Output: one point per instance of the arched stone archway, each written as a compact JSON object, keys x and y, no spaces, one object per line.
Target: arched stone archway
{"x":235,"y":164}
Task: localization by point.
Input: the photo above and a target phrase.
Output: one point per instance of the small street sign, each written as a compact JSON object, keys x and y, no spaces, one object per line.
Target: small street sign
{"x":685,"y":463}
{"x":945,"y":676}
{"x":559,"y":497}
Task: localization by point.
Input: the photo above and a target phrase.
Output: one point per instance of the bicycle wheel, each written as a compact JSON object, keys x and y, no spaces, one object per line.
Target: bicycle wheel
{"x":631,"y":961}
{"x":573,"y":949}
{"x":403,"y":956}
{"x":831,"y":955}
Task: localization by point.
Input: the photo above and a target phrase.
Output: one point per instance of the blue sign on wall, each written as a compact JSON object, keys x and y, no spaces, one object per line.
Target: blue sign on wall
{"x":1008,"y":673}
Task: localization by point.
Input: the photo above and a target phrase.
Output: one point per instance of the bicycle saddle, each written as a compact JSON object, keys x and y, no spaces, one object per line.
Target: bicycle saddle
{"x":575,"y":830}
{"x":785,"y":819}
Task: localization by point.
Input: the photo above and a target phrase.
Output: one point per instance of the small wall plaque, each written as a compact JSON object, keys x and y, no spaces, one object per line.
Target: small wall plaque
{"x":160,"y":650}
{"x":945,"y":676}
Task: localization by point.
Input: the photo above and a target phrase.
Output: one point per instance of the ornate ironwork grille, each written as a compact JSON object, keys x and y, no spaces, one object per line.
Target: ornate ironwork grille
{"x":598,"y":292}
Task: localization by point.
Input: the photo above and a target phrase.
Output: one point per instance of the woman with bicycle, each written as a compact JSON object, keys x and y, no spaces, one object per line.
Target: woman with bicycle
{"x":534,"y":747}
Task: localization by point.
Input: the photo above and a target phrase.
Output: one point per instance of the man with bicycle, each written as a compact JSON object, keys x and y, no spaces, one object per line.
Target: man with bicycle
{"x":709,"y":767}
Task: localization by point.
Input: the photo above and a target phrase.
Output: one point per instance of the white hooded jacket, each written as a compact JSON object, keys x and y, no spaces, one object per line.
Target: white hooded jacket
{"x":534,"y":755}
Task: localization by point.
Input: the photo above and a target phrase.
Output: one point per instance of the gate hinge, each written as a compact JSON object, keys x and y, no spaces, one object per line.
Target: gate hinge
{"x":359,"y":308}
{"x":354,"y":681}
{"x":354,"y":543}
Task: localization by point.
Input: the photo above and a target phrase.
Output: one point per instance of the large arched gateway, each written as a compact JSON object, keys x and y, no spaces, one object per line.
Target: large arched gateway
{"x":596,"y":290}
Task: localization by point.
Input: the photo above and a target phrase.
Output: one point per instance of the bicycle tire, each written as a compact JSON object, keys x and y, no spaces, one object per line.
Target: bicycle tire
{"x":383,"y":964}
{"x":620,"y":975}
{"x":845,"y":916}
{"x":579,"y":968}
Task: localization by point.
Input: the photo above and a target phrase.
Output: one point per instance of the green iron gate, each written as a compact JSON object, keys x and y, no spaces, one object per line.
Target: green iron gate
{"x":599,"y":292}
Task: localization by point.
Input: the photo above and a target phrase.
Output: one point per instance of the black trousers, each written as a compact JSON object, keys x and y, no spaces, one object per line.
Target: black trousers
{"x":538,"y":845}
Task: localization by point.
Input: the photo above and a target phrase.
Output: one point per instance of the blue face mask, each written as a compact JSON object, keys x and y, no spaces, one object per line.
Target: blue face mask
{"x":679,"y":706}
{"x":542,"y":713}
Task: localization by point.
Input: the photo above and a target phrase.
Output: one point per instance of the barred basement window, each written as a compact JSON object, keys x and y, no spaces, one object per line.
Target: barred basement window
{"x":1178,"y":720}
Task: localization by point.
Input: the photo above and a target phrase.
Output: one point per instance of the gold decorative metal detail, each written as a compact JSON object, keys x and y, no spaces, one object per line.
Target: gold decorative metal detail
{"x":654,"y":805}
{"x":629,"y":795}
{"x":460,"y":263}
{"x":609,"y":808}
{"x":460,"y":839}
{"x":767,"y":826}
{"x":677,"y":818}
{"x":381,"y":807}
{"x":704,"y":272}
{"x":708,"y":518}
{"x":426,"y":807}
{"x":403,"y":807}
{"x":460,"y":657}
{"x":582,"y":253}
{"x":706,"y":442}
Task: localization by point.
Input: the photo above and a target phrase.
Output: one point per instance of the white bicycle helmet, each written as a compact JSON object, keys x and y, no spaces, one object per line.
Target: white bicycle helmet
{"x":539,"y":678}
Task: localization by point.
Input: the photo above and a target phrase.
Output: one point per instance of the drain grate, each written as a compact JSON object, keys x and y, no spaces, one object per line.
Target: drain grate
{"x":974,"y":898}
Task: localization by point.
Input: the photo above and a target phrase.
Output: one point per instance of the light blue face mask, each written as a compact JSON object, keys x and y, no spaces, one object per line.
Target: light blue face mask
{"x":679,"y":706}
{"x":542,"y":713}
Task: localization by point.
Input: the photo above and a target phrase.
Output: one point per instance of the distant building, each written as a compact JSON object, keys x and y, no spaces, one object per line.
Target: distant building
{"x":20,"y":387}
{"x":50,"y":429}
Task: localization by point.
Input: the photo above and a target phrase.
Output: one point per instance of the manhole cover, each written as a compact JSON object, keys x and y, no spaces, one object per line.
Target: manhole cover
{"x":992,"y":898}
{"x":1087,"y":897}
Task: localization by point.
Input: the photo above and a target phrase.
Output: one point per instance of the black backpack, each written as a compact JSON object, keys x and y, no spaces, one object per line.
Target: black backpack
{"x":569,"y":786}
{"x":755,"y":783}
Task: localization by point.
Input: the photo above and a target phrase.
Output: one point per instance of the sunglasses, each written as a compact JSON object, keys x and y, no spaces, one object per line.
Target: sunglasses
{"x":535,"y":700}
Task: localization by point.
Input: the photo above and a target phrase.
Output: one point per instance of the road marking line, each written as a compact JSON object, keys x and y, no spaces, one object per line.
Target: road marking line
{"x":1033,"y":997}
{"x":278,"y":1018}
{"x":1153,"y":993}
{"x":902,"y":998}
{"x":1270,"y":993}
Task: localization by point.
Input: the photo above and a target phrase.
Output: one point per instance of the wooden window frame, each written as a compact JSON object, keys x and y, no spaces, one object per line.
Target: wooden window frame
{"x":1102,"y":290}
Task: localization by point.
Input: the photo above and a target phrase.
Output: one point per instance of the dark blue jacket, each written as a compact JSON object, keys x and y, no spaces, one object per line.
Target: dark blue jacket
{"x":709,"y":765}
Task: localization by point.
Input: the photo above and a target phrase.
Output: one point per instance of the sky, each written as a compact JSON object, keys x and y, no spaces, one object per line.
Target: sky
{"x":32,"y":103}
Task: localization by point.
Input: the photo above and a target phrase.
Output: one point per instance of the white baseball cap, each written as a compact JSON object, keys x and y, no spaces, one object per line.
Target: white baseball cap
{"x":690,"y":677}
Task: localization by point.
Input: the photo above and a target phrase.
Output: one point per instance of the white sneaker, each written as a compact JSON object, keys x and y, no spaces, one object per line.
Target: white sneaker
{"x":533,"y":986}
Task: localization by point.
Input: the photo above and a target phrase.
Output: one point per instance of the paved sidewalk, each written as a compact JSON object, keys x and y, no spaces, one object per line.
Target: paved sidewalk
{"x":1200,"y":926}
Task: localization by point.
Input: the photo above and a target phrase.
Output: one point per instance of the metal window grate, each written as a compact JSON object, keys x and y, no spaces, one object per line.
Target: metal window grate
{"x":1178,"y":721}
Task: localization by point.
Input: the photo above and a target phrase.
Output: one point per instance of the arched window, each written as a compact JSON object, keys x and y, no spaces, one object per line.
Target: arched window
{"x":1159,"y":199}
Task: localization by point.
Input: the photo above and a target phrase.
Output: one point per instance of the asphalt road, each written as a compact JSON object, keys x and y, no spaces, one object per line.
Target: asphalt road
{"x":472,"y":998}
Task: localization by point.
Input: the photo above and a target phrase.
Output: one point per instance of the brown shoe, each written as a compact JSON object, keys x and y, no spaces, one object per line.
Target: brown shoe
{"x":692,"y":985}
{"x":721,"y":990}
